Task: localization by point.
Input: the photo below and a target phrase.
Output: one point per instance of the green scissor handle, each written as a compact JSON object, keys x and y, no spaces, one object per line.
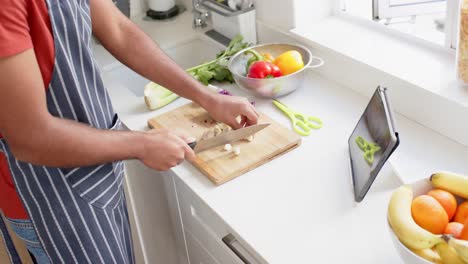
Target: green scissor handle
{"x":368,"y":148}
{"x":361,"y":142}
{"x":301,"y":123}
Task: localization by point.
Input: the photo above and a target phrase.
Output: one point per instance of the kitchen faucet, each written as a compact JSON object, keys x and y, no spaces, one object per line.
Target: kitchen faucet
{"x":200,"y":15}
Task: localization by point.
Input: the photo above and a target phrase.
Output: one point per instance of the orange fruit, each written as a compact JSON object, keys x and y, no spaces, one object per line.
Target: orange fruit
{"x":446,"y":199}
{"x":462,"y":213}
{"x":428,"y":213}
{"x":464,"y":232}
{"x":454,"y":228}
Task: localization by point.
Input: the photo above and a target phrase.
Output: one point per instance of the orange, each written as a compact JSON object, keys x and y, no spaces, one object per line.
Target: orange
{"x":462,"y":213}
{"x":454,"y":228}
{"x":446,"y":199}
{"x":464,"y":232}
{"x":429,"y":214}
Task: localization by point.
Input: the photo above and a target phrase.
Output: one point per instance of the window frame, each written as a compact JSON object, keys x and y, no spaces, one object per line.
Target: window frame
{"x":383,"y":9}
{"x":450,"y":26}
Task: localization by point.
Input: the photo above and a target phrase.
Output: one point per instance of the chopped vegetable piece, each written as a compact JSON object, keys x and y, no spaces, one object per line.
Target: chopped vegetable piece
{"x":227,"y":147}
{"x":217,"y":130}
{"x":249,"y":138}
{"x":236,"y":151}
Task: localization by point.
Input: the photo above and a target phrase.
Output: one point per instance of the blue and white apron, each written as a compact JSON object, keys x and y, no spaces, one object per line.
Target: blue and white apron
{"x":79,"y":214}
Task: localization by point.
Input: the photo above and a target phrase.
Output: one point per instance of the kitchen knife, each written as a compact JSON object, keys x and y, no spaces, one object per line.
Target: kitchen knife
{"x":226,"y":137}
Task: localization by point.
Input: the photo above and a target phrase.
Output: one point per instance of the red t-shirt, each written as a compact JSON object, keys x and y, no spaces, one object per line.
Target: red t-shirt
{"x":24,"y":24}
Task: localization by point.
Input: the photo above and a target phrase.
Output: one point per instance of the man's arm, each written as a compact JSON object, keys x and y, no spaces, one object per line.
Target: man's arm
{"x":136,"y":50}
{"x":35,"y":136}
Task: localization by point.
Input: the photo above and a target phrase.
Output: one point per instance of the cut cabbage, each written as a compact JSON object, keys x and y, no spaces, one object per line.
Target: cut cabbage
{"x":228,"y":147}
{"x":157,"y":96}
{"x":236,"y":151}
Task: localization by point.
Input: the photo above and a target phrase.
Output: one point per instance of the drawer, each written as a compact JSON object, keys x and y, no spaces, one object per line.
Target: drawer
{"x":210,"y":230}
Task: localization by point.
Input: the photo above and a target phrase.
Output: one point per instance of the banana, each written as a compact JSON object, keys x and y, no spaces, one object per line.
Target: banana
{"x":402,"y":223}
{"x":448,"y":254}
{"x":460,"y":246}
{"x":430,"y":255}
{"x":454,"y":183}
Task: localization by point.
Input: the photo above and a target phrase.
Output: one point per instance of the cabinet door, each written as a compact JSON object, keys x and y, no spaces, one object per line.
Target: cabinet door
{"x":210,"y":229}
{"x":177,"y":227}
{"x":197,"y":253}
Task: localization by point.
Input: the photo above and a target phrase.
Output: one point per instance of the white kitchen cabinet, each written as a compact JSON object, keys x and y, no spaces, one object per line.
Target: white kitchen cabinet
{"x":196,"y":252}
{"x":149,"y":215}
{"x":198,"y":228}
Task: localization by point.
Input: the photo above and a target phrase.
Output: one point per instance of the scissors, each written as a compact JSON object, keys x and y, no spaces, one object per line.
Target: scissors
{"x":301,"y":123}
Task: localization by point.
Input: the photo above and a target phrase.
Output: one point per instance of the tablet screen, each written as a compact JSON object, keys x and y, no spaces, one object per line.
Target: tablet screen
{"x":370,"y":142}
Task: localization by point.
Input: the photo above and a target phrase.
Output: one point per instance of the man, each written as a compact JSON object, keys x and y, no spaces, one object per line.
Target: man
{"x":59,"y":130}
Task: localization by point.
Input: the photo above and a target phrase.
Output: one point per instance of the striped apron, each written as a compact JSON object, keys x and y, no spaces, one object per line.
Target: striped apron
{"x":79,"y":214}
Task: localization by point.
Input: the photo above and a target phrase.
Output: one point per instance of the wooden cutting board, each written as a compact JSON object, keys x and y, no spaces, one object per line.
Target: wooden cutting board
{"x":221,"y":166}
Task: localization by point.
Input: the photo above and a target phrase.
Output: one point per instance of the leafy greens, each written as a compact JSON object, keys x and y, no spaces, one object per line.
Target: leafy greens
{"x":217,"y":68}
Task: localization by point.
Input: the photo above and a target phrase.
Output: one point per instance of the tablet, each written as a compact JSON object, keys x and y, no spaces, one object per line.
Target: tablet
{"x":372,"y":142}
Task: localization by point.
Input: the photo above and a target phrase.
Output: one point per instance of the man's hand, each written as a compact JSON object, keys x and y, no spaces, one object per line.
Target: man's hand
{"x":164,"y":150}
{"x":228,"y":109}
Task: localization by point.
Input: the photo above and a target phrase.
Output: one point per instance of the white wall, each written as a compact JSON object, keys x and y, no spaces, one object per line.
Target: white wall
{"x":283,"y":14}
{"x":276,"y":12}
{"x":306,"y":10}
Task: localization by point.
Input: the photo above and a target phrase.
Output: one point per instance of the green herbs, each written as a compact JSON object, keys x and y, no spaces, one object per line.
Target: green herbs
{"x":216,"y":70}
{"x":157,"y":96}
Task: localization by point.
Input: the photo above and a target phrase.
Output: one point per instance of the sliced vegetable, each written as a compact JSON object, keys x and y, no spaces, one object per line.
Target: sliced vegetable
{"x":236,"y":151}
{"x":227,"y":147}
{"x":289,"y":62}
{"x":264,"y":69}
{"x":157,"y":96}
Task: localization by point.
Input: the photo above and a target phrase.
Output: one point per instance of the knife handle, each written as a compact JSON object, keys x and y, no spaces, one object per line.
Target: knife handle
{"x":192,"y":145}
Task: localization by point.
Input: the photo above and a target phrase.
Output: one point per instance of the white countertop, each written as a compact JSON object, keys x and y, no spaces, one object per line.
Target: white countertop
{"x":299,"y":208}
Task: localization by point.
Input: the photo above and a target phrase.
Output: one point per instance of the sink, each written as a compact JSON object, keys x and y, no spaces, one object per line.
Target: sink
{"x":186,"y":55}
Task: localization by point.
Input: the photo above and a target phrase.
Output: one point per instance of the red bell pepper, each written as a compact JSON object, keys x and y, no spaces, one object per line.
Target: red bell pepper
{"x":263,"y":69}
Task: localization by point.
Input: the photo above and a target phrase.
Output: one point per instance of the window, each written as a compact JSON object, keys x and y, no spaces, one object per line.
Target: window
{"x":431,"y":20}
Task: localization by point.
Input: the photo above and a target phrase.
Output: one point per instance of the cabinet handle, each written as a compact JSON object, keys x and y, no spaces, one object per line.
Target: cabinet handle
{"x":231,"y":241}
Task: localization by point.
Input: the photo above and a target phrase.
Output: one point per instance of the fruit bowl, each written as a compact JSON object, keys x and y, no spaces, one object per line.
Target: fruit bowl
{"x":415,"y":205}
{"x":419,"y":187}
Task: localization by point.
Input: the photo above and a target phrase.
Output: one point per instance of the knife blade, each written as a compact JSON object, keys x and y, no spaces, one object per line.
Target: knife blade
{"x":226,"y":137}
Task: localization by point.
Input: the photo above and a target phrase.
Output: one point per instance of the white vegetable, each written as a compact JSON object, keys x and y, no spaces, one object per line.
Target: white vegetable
{"x":217,"y":130}
{"x":249,"y":138}
{"x":157,"y":96}
{"x":227,"y":147}
{"x":236,"y":151}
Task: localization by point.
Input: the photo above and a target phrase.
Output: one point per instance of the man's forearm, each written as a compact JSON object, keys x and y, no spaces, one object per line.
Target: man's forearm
{"x":136,"y":50}
{"x":65,"y":143}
